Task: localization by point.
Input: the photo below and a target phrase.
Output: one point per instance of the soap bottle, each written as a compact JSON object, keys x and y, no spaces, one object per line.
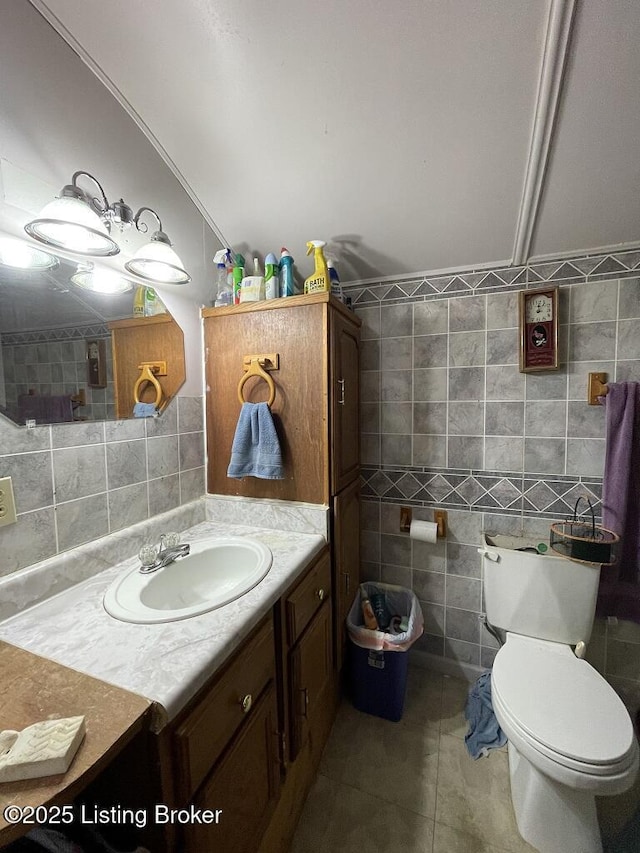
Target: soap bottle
{"x":271,"y":282}
{"x":368,"y":615}
{"x":287,"y":284}
{"x":318,"y":282}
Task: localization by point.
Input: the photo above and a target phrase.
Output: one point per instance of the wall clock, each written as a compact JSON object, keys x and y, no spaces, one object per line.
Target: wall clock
{"x":538,"y":329}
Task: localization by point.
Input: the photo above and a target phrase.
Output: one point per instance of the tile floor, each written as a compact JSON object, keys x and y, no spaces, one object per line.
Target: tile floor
{"x":412,"y":787}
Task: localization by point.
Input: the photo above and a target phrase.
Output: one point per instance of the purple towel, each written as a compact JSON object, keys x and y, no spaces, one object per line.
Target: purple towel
{"x":44,"y":409}
{"x":619,"y":593}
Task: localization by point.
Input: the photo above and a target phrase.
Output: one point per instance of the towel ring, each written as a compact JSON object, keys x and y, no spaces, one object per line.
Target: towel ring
{"x":147,"y":375}
{"x":255,"y":369}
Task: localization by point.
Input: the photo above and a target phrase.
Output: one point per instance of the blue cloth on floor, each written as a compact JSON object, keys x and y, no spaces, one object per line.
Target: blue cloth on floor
{"x":255,"y":451}
{"x":484,"y":732}
{"x":145,"y":410}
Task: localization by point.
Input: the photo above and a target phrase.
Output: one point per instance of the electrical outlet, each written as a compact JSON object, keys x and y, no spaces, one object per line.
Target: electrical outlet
{"x":7,"y":502}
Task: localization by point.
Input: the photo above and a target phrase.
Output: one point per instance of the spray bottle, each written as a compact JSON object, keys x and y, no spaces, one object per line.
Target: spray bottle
{"x":271,"y":282}
{"x":287,"y":284}
{"x":222,"y":294}
{"x":319,"y":281}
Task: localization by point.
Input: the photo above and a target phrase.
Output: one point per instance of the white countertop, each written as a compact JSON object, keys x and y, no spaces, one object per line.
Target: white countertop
{"x":168,"y":662}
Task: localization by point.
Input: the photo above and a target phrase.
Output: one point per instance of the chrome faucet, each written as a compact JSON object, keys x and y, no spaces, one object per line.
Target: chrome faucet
{"x":154,"y":557}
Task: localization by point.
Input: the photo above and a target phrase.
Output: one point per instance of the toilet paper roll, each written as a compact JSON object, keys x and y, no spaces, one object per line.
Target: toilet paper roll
{"x":424,"y":531}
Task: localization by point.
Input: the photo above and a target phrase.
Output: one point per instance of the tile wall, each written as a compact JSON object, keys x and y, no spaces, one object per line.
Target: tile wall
{"x":54,"y":362}
{"x":74,"y":483}
{"x":449,"y":421}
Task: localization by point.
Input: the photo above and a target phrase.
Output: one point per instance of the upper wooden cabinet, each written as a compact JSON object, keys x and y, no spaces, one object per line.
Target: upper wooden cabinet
{"x":140,"y":340}
{"x":315,"y":409}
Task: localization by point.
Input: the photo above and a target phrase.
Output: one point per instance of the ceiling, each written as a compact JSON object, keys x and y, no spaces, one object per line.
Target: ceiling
{"x":414,"y":136}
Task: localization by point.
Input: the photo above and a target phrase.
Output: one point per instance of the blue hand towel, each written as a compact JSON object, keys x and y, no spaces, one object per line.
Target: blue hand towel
{"x":484,"y":732}
{"x":145,"y":410}
{"x":255,"y":451}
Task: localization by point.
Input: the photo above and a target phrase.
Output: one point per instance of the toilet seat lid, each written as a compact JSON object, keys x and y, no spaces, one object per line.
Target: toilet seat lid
{"x":561,"y":701}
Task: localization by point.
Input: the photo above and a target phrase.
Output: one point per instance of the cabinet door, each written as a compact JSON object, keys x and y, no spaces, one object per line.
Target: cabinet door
{"x":297,"y":333}
{"x":346,"y":545}
{"x":244,"y":787}
{"x":345,"y":394}
{"x":311,"y":663}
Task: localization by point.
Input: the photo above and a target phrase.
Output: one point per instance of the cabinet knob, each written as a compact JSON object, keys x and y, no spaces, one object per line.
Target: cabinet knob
{"x":321,"y":594}
{"x":246,"y":702}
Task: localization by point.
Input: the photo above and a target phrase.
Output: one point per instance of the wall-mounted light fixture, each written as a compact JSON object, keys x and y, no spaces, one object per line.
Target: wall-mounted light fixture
{"x":156,"y":260}
{"x":100,"y":280}
{"x":81,"y":223}
{"x":19,"y":255}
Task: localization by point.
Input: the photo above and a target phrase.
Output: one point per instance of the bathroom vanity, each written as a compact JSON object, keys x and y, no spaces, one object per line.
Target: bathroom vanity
{"x":238,"y":702}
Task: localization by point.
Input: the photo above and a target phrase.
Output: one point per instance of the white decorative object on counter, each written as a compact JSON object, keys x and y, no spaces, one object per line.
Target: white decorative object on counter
{"x":43,"y":749}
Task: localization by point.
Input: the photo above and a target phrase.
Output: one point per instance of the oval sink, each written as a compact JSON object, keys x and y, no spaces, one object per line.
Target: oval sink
{"x":216,"y":572}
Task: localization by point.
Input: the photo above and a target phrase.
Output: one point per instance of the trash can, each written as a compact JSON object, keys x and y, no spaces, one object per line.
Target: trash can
{"x":377,"y":660}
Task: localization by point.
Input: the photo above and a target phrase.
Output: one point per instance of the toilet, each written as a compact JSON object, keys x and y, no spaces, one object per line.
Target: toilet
{"x":570,"y":736}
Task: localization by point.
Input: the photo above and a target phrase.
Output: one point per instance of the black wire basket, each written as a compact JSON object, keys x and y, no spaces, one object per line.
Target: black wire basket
{"x":583,"y":540}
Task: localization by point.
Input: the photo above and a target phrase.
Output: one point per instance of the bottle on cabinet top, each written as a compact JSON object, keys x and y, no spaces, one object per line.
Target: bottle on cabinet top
{"x":334,"y":281}
{"x":237,"y":275}
{"x":287,"y":284}
{"x":252,"y":288}
{"x":271,"y":279}
{"x":318,"y":281}
{"x":222,"y":291}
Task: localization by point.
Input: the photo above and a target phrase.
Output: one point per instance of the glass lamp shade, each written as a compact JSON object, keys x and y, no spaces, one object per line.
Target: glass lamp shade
{"x":20,"y":255}
{"x":69,"y":223}
{"x":156,"y":261}
{"x":101,"y":281}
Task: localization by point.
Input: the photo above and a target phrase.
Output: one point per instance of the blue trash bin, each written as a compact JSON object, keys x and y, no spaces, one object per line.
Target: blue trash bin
{"x":378,"y":661}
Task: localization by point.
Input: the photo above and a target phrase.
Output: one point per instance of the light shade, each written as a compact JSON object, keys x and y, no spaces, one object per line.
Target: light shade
{"x":69,"y":223}
{"x":156,"y":261}
{"x":20,"y":255}
{"x":101,"y":281}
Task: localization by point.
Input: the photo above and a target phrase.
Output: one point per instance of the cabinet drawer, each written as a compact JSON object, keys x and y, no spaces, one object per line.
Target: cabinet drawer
{"x":202,"y":736}
{"x":307,"y":598}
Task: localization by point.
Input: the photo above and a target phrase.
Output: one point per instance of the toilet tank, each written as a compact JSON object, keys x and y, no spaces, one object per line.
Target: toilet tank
{"x":537,"y":595}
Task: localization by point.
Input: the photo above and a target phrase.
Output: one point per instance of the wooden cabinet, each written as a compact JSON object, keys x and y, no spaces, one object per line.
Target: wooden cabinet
{"x":203,"y":735}
{"x":243,"y":789}
{"x":223,"y":752}
{"x":145,"y":339}
{"x":315,"y":412}
{"x":345,"y":397}
{"x":248,"y":745}
{"x":346,"y":520}
{"x":309,"y":655}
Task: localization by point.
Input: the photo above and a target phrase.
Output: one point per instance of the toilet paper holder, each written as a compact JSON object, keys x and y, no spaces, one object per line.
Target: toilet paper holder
{"x":439,"y":517}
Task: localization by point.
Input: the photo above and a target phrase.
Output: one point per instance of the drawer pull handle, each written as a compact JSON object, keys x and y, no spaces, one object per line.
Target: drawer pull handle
{"x":246,"y":702}
{"x":341,"y":399}
{"x":305,"y":700}
{"x":321,"y":594}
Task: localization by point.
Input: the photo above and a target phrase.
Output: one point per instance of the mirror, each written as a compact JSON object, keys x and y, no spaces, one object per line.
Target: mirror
{"x":56,"y":352}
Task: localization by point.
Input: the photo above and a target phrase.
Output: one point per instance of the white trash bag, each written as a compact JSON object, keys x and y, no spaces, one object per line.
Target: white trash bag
{"x":400,"y":603}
